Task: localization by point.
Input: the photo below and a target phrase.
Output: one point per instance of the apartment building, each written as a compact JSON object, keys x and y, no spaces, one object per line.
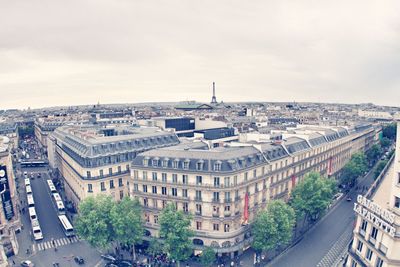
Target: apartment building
{"x":9,"y":215}
{"x":92,"y":159}
{"x":224,"y":188}
{"x":376,"y":240}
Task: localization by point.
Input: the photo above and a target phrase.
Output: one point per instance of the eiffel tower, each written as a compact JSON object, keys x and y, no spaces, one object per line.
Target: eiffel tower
{"x":214,"y":98}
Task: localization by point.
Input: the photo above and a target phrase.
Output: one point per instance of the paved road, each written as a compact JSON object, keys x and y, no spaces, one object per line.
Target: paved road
{"x":326,"y":242}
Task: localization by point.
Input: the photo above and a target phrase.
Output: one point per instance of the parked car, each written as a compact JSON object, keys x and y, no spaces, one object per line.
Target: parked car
{"x":27,"y":263}
{"x":79,"y":260}
{"x":122,"y":263}
{"x":348,"y":199}
{"x":108,"y":257}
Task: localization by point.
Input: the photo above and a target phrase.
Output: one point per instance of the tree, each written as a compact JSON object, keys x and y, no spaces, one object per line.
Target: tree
{"x":207,"y":257}
{"x":354,"y":169}
{"x":379,"y":167}
{"x":389,"y":131}
{"x":126,"y":219}
{"x":176,"y":232}
{"x":374,"y":153}
{"x":312,"y":195}
{"x":360,"y":160}
{"x":155,"y":247}
{"x":385,"y":142}
{"x":274,"y":226}
{"x":94,"y":223}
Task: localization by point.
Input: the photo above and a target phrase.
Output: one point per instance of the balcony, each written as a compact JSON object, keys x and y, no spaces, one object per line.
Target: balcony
{"x":361,"y":232}
{"x":216,"y":200}
{"x":227,"y":213}
{"x":227,"y":200}
{"x":198,"y":213}
{"x":215,"y":214}
{"x":198,"y":199}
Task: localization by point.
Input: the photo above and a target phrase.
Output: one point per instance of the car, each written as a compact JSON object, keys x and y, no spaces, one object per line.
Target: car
{"x":39,"y":175}
{"x":348,"y":199}
{"x":79,"y":260}
{"x":123,"y":263}
{"x":27,"y":263}
{"x":108,"y":257}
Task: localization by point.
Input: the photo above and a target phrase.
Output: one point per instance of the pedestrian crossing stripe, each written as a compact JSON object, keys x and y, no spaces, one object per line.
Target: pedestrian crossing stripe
{"x":57,"y":243}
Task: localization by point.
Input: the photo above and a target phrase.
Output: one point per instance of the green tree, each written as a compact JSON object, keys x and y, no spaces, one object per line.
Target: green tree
{"x":176,"y":232}
{"x":274,"y":226}
{"x":155,"y":247}
{"x":360,"y":160}
{"x":94,"y":223}
{"x":312,"y":195}
{"x":126,"y":219}
{"x":374,"y":153}
{"x":207,"y":257}
{"x":389,"y":131}
{"x":385,"y":142}
{"x":379,"y":167}
{"x":354,"y":169}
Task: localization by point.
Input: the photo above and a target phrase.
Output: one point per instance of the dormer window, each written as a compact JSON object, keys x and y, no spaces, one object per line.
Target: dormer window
{"x":165,"y":163}
{"x":145,"y":162}
{"x":186,"y":164}
{"x":199,"y":165}
{"x":155,"y":162}
{"x":217,"y":166}
{"x":176,"y":164}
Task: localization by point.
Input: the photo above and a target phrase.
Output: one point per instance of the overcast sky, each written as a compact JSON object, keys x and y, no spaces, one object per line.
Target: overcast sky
{"x":123,"y":51}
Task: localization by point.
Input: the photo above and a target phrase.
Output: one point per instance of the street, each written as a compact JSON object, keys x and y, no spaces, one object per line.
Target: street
{"x":327,"y":241}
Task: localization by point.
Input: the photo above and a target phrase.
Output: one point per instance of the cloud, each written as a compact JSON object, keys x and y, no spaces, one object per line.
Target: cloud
{"x":79,"y":52}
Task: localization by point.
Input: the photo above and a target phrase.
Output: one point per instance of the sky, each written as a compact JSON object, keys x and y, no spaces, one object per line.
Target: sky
{"x":125,"y":51}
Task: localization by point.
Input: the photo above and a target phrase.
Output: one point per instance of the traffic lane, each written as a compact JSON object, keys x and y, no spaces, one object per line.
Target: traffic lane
{"x":45,"y":209}
{"x":318,"y":241}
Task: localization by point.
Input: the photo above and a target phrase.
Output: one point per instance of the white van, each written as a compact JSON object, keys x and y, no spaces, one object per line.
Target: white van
{"x":27,"y":181}
{"x":37,"y":231}
{"x":31,"y":202}
{"x":32,"y":213}
{"x":28,"y":190}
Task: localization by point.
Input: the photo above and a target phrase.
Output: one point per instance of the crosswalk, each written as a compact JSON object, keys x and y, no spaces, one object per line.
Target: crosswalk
{"x":57,"y":243}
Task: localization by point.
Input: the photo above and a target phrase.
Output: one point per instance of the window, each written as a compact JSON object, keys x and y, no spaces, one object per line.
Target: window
{"x":198,"y":195}
{"x":360,"y":245}
{"x":227,"y":197}
{"x":374,"y":232}
{"x":185,"y":179}
{"x":199,"y":166}
{"x":145,"y":202}
{"x":135,"y":187}
{"x":165,"y":163}
{"x":154,"y":175}
{"x":235,"y":180}
{"x":144,"y":188}
{"x":102,"y":186}
{"x":175,"y":164}
{"x":127,"y":167}
{"x":154,"y":189}
{"x":164,"y":177}
{"x":216,"y":196}
{"x":227,"y":208}
{"x":216,"y":181}
{"x":147,"y":217}
{"x":199,"y":180}
{"x":88,"y":174}
{"x":174,"y":178}
{"x":353,"y":263}
{"x":217,"y":166}
{"x":254,"y":173}
{"x":155,"y":162}
{"x":186,"y":165}
{"x":397,"y":202}
{"x":145,"y":162}
{"x":256,"y":187}
{"x":216,"y":227}
{"x":368,"y":255}
{"x":144,"y":175}
{"x":198,"y":225}
{"x":246,"y":174}
{"x":156,"y":219}
{"x":155,"y":203}
{"x":135,"y":174}
{"x":110,"y":171}
{"x":121,"y":194}
{"x":226,"y":227}
{"x":163,"y":190}
{"x":90,"y":188}
{"x":184,"y":193}
{"x":174,"y":192}
{"x":120,"y":182}
{"x":185,"y":207}
{"x":198,"y":209}
{"x":364,"y":225}
{"x":379,"y":262}
{"x":227,"y":181}
{"x":111,"y":184}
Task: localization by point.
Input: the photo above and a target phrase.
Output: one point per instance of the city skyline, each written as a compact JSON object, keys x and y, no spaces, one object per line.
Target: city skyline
{"x":129,"y":52}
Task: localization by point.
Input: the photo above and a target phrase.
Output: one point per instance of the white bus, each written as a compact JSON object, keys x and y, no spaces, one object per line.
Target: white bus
{"x":31,"y":202}
{"x":66,"y":225}
{"x":60,"y":207}
{"x":57,"y":197}
{"x":27,"y":181}
{"x":32,"y":213}
{"x":28,"y":190}
{"x":50,"y":182}
{"x":37,"y":231}
{"x":51,"y":186}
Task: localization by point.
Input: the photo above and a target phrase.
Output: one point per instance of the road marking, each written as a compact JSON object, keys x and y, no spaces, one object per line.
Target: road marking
{"x":57,"y":243}
{"x":98,"y":264}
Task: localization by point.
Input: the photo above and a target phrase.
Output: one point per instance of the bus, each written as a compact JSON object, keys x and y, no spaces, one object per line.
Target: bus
{"x":57,"y":197}
{"x":33,"y":163}
{"x":32,"y":213}
{"x":28,"y":190}
{"x":60,"y":207}
{"x":66,"y":225}
{"x":51,"y":186}
{"x":37,"y":231}
{"x":50,"y":183}
{"x":31,"y":202}
{"x":27,"y":181}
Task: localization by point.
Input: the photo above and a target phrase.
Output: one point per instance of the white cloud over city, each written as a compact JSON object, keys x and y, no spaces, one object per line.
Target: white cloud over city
{"x":81,"y":52}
